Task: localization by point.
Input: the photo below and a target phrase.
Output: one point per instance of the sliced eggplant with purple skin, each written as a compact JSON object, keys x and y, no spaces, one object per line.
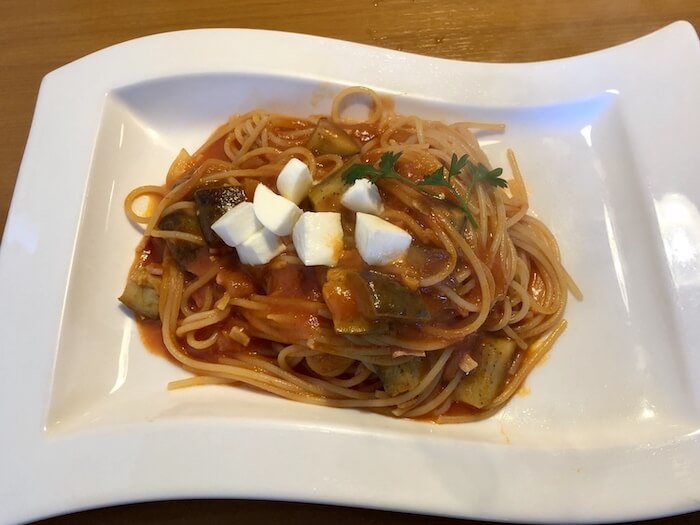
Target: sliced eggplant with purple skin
{"x":142,"y":293}
{"x":211,"y":204}
{"x":370,"y":302}
{"x":330,"y":139}
{"x":382,"y":296}
{"x":184,"y":221}
{"x":326,"y":195}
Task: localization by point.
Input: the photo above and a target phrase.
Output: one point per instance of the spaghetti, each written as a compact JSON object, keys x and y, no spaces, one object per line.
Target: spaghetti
{"x":484,"y":275}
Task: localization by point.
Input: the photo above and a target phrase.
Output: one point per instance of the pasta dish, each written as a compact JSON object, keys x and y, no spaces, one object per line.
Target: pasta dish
{"x":381,"y":263}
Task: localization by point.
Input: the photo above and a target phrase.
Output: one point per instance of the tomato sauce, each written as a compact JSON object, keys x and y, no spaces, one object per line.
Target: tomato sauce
{"x":152,"y":337}
{"x":362,"y":131}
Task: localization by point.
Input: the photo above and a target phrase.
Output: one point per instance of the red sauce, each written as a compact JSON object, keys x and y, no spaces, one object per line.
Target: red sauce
{"x":249,"y":185}
{"x":215,"y":150}
{"x":152,"y":337}
{"x":293,"y":281}
{"x":418,"y":166}
{"x":458,"y":410}
{"x":236,"y":282}
{"x":363,"y":132}
{"x":341,"y":300}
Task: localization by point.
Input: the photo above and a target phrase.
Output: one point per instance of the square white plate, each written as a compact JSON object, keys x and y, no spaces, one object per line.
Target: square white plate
{"x":609,"y":430}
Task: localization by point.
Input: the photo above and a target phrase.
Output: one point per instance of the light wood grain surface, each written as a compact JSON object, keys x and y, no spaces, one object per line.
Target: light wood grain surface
{"x":37,"y":36}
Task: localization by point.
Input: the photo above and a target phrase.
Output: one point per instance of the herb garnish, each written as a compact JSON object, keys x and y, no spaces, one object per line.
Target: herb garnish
{"x":386,"y":170}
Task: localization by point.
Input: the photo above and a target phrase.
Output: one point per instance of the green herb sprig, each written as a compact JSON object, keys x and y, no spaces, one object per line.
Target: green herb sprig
{"x":386,"y":170}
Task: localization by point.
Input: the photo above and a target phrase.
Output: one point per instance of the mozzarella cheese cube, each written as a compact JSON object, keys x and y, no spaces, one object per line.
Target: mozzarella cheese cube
{"x":294,"y":181}
{"x":237,"y":224}
{"x":277,"y":214}
{"x":378,"y":241}
{"x":363,"y":196}
{"x":318,"y":238}
{"x":260,"y":248}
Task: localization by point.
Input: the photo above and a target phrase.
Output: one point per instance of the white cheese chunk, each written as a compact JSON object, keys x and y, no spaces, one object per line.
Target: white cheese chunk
{"x":378,"y":241}
{"x":318,"y":238}
{"x":363,"y":196}
{"x":260,"y":248}
{"x":237,"y":224}
{"x":294,"y":181}
{"x":276,"y":213}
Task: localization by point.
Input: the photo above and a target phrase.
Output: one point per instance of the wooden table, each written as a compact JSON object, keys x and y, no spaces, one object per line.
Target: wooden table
{"x":39,"y":36}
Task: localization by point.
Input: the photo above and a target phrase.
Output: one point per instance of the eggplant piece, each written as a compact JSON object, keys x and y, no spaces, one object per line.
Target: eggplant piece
{"x":182,"y":221}
{"x":494,"y":356}
{"x":341,"y":301}
{"x":329,"y":138}
{"x":212,"y":203}
{"x":367,"y":302}
{"x":142,"y":293}
{"x":381,"y":296}
{"x":456,"y":215}
{"x":325,"y":196}
{"x":403,"y":377}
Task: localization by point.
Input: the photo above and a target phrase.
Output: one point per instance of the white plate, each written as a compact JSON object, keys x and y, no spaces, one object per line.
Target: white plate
{"x":608,"y":143}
